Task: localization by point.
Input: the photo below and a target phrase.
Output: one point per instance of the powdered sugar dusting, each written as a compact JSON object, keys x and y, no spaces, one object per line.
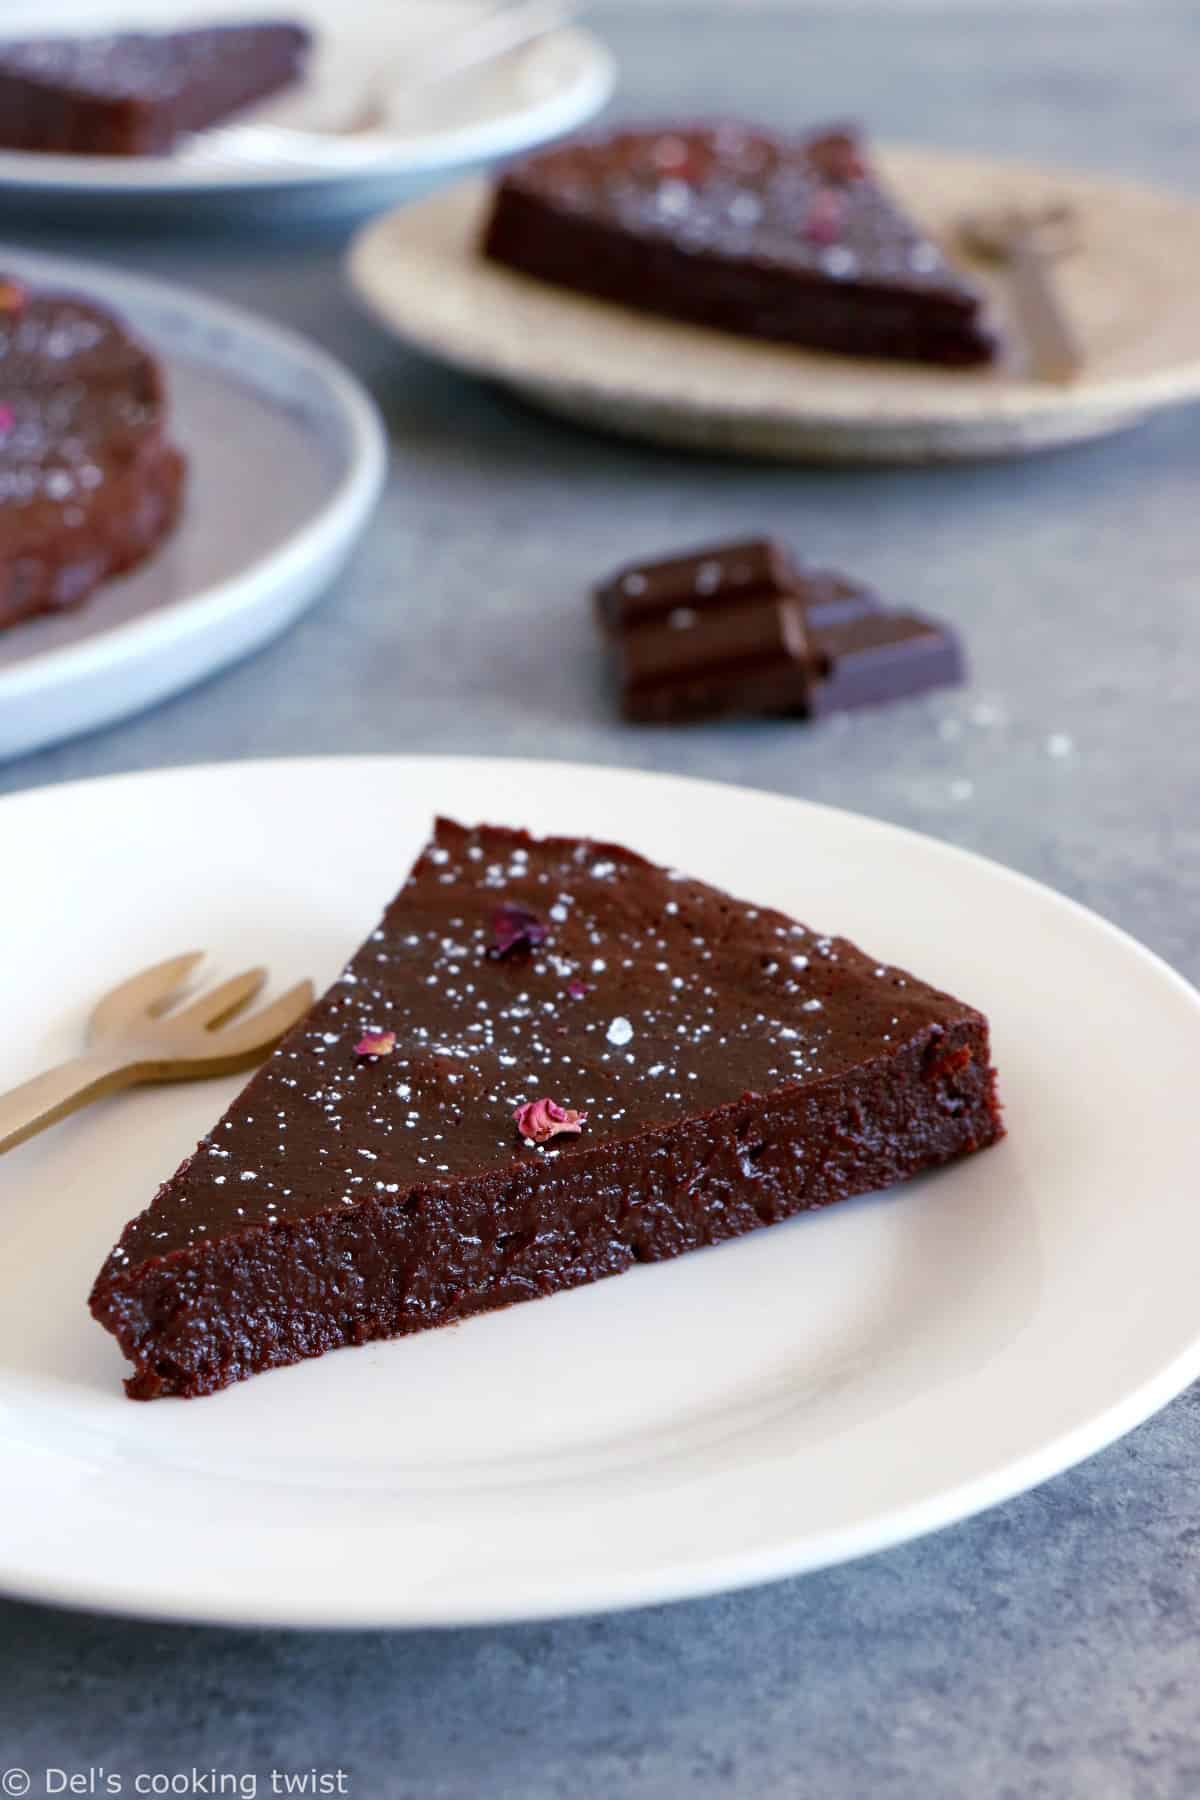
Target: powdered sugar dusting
{"x":653,"y":998}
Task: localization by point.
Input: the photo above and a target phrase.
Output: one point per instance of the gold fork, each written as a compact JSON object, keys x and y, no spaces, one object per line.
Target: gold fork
{"x":132,"y":1037}
{"x":1026,"y":243}
{"x":496,"y":29}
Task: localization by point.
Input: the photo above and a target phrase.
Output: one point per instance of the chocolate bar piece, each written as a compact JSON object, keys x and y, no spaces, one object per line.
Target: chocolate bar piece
{"x":742,"y":628}
{"x":880,"y":656}
{"x":750,"y":657}
{"x":830,"y":601}
{"x":683,"y":584}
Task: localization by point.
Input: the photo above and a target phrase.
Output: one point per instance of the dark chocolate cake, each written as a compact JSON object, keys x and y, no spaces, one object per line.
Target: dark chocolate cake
{"x":134,"y":93}
{"x":552,"y":1059}
{"x":789,"y":238}
{"x":90,"y":483}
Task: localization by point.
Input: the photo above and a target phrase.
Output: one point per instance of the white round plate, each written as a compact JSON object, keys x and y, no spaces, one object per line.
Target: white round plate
{"x":1130,"y":291}
{"x":817,"y":1390}
{"x":249,"y":554}
{"x":534,"y":93}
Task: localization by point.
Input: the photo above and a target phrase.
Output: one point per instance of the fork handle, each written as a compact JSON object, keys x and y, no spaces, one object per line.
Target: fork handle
{"x":28,"y":1109}
{"x":1054,"y":349}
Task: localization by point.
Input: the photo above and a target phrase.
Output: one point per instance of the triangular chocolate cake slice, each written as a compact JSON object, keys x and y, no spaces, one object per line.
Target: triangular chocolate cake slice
{"x":789,"y":238}
{"x":551,"y":1060}
{"x":133,"y":93}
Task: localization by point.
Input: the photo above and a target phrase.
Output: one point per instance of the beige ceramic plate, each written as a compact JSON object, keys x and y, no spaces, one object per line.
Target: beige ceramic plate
{"x":1130,"y":291}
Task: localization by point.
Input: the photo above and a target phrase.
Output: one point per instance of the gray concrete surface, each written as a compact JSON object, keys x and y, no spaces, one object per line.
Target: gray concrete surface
{"x":1047,"y":1651}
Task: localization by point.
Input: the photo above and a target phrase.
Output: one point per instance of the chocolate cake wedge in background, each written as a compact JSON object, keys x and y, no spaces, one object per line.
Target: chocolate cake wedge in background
{"x":553,"y":1059}
{"x":135,"y":93}
{"x":90,"y":482}
{"x":795,"y":239}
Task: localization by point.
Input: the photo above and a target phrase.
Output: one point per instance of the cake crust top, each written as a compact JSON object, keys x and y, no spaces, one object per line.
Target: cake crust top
{"x":812,"y":205}
{"x":510,"y":970}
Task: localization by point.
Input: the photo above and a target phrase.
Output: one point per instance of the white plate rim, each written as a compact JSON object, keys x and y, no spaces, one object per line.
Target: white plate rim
{"x":715,"y":1573}
{"x":458,"y":147}
{"x":336,"y":522}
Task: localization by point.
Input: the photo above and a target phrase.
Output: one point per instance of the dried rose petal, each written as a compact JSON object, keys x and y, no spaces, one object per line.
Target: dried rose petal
{"x":578,"y":989}
{"x":14,"y":298}
{"x":8,"y":418}
{"x":673,"y":155}
{"x":539,"y":1120}
{"x":514,"y":925}
{"x":837,"y":157}
{"x":824,"y":222}
{"x":375,"y":1043}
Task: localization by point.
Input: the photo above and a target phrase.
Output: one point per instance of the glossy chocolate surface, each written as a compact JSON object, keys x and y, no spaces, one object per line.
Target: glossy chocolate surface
{"x":665,"y":1011}
{"x":651,"y":592}
{"x":132,"y":93}
{"x":878,"y":657}
{"x":795,"y":239}
{"x":743,"y":628}
{"x":693,"y":999}
{"x":752,"y":657}
{"x":89,"y":482}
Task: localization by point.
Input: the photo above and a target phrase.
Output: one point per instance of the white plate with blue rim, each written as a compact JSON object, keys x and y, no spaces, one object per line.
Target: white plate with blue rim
{"x":496,"y":108}
{"x":811,"y":1392}
{"x":249,"y":554}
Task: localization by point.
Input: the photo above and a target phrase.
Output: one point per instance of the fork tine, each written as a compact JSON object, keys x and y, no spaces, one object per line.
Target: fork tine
{"x":266,"y":1027}
{"x":149,"y":991}
{"x":220,"y":1003}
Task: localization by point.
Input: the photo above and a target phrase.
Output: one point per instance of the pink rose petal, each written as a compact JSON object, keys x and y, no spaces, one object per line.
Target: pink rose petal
{"x":8,"y":418}
{"x":375,"y":1043}
{"x":577,"y":989}
{"x":540,"y":1120}
{"x":824,"y":222}
{"x":838,"y":157}
{"x":14,"y":297}
{"x":513,"y":926}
